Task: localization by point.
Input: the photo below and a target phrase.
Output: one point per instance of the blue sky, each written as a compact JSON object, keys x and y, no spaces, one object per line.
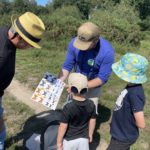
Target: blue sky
{"x":42,"y":2}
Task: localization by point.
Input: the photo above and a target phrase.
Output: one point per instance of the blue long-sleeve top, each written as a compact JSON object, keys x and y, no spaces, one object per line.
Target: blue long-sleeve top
{"x":93,"y":63}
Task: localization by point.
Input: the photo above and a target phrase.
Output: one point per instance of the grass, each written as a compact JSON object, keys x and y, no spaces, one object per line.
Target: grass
{"x":110,"y":92}
{"x":33,"y":63}
{"x":21,"y":122}
{"x":15,"y":114}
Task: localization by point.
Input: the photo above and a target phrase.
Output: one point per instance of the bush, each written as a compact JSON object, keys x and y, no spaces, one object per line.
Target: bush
{"x":118,"y":24}
{"x":5,"y":20}
{"x":145,"y":24}
{"x":63,"y":23}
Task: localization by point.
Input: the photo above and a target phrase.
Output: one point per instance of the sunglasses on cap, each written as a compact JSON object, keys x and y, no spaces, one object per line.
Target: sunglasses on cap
{"x":75,"y":90}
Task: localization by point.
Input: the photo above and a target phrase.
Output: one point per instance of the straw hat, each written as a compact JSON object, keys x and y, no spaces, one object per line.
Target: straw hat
{"x":131,"y":68}
{"x":30,"y":27}
{"x":87,"y":33}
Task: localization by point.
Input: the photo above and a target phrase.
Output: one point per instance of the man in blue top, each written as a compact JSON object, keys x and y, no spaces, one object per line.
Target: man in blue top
{"x":91,"y":55}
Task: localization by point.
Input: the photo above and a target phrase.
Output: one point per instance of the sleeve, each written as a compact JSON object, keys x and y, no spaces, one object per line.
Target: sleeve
{"x":105,"y":69}
{"x":137,"y":102}
{"x":2,"y":63}
{"x":70,"y":57}
{"x":93,"y":116}
{"x":65,"y":117}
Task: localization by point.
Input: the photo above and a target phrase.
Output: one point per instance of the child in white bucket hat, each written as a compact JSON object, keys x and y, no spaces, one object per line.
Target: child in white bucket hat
{"x":78,"y":119}
{"x":128,"y":114}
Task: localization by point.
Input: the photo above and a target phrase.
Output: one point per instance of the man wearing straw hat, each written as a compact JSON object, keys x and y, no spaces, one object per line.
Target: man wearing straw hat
{"x":90,"y":55}
{"x":26,"y":32}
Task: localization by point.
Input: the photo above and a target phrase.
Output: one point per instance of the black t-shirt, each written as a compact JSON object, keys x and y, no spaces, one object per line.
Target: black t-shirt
{"x":7,"y":60}
{"x":123,"y":126}
{"x":77,"y":115}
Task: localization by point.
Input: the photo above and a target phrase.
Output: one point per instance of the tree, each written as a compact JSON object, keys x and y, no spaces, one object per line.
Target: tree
{"x":119,"y":24}
{"x":144,"y":9}
{"x":58,"y":3}
{"x":5,"y":6}
{"x":83,"y":5}
{"x":40,"y":10}
{"x":21,"y":6}
{"x":142,"y":6}
{"x":62,"y":23}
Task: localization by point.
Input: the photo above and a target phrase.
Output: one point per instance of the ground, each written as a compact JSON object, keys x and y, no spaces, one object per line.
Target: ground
{"x":23,"y":93}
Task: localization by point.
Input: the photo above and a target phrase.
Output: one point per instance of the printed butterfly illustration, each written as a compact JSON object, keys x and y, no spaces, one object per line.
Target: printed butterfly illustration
{"x":49,"y":91}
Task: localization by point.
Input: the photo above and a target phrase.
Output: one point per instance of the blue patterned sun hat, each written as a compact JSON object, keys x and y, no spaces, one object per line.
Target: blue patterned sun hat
{"x":131,"y":68}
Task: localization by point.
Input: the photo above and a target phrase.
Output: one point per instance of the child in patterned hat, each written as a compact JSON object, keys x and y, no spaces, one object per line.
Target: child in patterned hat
{"x":128,"y":114}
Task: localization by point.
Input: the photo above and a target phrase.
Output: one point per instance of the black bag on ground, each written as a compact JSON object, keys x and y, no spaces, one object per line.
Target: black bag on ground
{"x":47,"y":140}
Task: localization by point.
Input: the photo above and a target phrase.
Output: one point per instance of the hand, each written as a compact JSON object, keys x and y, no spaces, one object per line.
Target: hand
{"x":90,"y":138}
{"x":65,"y":85}
{"x":69,"y":90}
{"x":59,"y":146}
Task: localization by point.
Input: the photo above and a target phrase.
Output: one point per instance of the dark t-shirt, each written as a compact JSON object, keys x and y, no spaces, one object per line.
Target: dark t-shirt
{"x":7,"y":60}
{"x":77,"y":115}
{"x":123,"y":125}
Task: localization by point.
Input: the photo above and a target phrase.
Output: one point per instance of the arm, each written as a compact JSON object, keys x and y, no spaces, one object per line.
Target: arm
{"x":139,"y":118}
{"x":68,"y":63}
{"x":137,"y":102}
{"x":63,"y":74}
{"x":95,"y":83}
{"x":92,"y":124}
{"x":105,"y":70}
{"x":61,"y":132}
{"x":2,"y":62}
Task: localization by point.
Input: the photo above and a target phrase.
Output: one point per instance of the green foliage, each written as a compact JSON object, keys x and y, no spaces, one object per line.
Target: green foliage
{"x":145,"y":24}
{"x":144,"y":9}
{"x":57,"y":3}
{"x":4,"y":7}
{"x":143,"y":6}
{"x":40,"y":10}
{"x":118,"y":24}
{"x":62,"y":23}
{"x":50,"y":8}
{"x":84,"y":6}
{"x":5,"y":20}
{"x":21,"y":6}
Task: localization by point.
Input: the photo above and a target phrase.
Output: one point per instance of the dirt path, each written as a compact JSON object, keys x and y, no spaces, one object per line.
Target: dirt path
{"x":22,"y":93}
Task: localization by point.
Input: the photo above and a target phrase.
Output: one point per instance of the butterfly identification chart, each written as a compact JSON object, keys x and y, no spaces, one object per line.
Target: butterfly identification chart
{"x":49,"y":91}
